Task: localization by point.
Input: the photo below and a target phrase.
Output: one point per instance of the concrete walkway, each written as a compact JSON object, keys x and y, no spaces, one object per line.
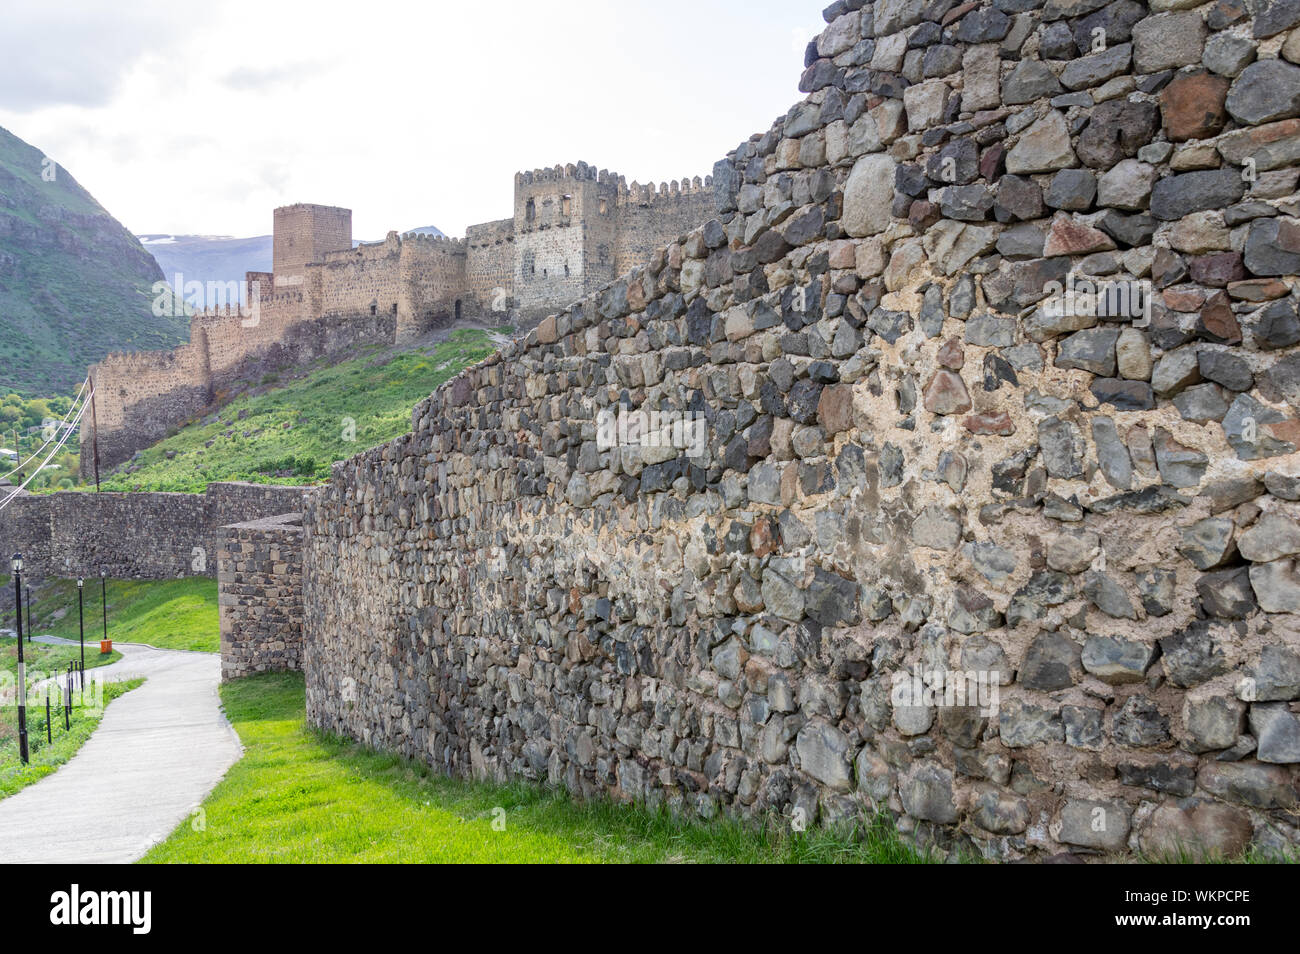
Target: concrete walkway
{"x":156,"y":754}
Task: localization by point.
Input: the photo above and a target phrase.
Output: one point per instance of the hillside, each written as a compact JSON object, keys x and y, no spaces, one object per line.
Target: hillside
{"x":74,"y":284}
{"x":291,"y":433}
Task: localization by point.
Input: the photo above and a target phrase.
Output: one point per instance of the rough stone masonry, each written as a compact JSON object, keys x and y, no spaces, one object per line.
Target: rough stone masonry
{"x":259,"y":575}
{"x":995,"y":335}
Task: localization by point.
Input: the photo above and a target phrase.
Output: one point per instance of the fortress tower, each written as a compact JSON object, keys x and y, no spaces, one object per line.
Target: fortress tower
{"x":565,"y":224}
{"x":303,"y":233}
{"x":576,"y":229}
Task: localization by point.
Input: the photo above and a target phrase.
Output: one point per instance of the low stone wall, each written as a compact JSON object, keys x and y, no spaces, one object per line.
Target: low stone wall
{"x":1017,"y":568}
{"x":259,"y":577}
{"x":148,"y":536}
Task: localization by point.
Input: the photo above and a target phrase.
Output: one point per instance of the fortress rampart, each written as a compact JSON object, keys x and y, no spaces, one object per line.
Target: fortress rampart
{"x":573,"y":229}
{"x":150,"y":536}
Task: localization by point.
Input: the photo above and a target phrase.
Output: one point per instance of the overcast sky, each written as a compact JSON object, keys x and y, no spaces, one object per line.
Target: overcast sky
{"x":200,"y":117}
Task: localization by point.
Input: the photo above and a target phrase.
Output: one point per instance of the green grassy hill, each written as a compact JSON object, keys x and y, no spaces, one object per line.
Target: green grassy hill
{"x":74,"y":284}
{"x":292,"y":433}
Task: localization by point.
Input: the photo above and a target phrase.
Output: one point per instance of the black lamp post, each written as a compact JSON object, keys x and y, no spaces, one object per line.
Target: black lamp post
{"x":81,"y":625}
{"x":103,"y":595}
{"x":22,"y":666}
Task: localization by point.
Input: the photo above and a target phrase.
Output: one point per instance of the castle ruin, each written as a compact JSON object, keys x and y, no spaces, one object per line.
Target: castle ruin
{"x":573,"y":230}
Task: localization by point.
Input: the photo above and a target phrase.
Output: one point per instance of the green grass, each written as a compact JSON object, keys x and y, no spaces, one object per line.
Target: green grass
{"x":1196,"y":855}
{"x":169,"y":614}
{"x":47,"y":757}
{"x":301,"y":796}
{"x":47,"y":659}
{"x":292,"y":434}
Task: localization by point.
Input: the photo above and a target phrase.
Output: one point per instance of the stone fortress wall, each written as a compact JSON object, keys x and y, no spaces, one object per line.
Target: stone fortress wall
{"x":148,"y":536}
{"x":259,"y":572}
{"x":247,"y":536}
{"x":927,"y":465}
{"x":573,"y":229}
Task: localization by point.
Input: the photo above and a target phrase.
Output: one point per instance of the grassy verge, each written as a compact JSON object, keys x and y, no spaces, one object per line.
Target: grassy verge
{"x":46,"y":757}
{"x":170,"y":614}
{"x":300,"y":796}
{"x":292,"y":434}
{"x":51,"y":660}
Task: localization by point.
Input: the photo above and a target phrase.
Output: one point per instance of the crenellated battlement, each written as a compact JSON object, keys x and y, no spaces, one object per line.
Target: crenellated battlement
{"x":137,"y":362}
{"x":582,"y":172}
{"x":577,"y":172}
{"x":638,"y":194}
{"x":439,"y":243}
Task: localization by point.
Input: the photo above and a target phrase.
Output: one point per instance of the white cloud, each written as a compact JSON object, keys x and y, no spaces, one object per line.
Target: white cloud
{"x":202,"y":117}
{"x":76,"y":52}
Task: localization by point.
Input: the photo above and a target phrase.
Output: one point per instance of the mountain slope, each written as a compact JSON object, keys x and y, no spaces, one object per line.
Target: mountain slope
{"x":209,"y":258}
{"x":74,"y":284}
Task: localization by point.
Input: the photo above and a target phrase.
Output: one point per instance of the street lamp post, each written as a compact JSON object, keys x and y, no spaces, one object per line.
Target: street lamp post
{"x":81,"y":625}
{"x":103,"y":595}
{"x":22,"y":666}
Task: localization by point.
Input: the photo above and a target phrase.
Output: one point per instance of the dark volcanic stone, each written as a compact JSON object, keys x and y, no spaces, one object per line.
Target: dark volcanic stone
{"x":1071,"y":189}
{"x":803,"y":400}
{"x":1193,"y":655}
{"x":1160,"y":777}
{"x":1130,"y":230}
{"x":1226,"y":594}
{"x":1050,"y":662}
{"x":1123,"y":394}
{"x":1176,"y":196}
{"x":1274,"y":16}
{"x":1116,"y":130}
{"x":1018,"y":198}
{"x":1273,"y":247}
{"x":1266,"y":91}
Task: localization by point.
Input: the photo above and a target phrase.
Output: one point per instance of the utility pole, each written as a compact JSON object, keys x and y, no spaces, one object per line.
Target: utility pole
{"x":22,"y":666}
{"x":81,"y":624}
{"x":94,"y":418}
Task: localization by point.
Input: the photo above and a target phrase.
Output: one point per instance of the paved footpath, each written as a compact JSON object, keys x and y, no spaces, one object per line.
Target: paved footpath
{"x":156,"y":754}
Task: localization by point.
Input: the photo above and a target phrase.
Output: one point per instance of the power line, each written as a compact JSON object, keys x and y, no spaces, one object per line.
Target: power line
{"x":66,"y":434}
{"x":62,"y":426}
